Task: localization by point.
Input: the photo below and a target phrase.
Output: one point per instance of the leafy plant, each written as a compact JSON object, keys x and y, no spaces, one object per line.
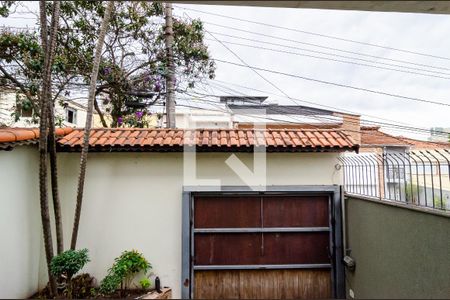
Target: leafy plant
{"x":145,"y":283}
{"x":122,"y":272}
{"x":67,"y":264}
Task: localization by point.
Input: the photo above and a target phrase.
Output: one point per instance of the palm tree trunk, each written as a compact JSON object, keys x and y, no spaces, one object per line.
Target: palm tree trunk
{"x":54,"y":178}
{"x":87,"y":130}
{"x":49,"y":51}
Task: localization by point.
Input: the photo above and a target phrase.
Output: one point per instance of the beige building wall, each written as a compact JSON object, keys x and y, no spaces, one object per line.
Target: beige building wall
{"x":20,"y":222}
{"x":134,"y":201}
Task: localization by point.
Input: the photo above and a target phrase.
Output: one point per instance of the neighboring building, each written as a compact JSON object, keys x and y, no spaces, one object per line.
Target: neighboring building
{"x":392,"y":166}
{"x":438,"y":134}
{"x":68,"y":113}
{"x":247,"y":111}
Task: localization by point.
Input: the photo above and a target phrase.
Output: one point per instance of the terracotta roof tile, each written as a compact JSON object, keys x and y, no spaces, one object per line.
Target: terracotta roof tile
{"x":419,"y":145}
{"x":136,"y":139}
{"x":372,"y":136}
{"x":9,"y":137}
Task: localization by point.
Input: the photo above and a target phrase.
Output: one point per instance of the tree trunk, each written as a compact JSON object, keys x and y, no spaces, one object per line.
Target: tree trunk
{"x":49,"y":51}
{"x":54,"y":178}
{"x":170,"y":71}
{"x":100,"y":113}
{"x":87,"y":130}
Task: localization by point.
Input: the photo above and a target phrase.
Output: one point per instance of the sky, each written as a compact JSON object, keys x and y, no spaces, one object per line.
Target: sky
{"x":424,"y":33}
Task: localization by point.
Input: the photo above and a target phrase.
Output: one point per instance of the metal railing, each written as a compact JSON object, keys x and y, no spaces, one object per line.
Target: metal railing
{"x":419,"y":177}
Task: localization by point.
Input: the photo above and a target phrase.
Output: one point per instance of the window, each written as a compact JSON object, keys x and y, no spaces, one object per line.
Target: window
{"x":23,"y":107}
{"x":71,"y":115}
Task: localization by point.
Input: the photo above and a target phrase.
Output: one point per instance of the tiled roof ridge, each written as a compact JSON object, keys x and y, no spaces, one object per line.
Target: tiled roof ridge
{"x":211,"y":138}
{"x":413,"y":141}
{"x":211,"y":129}
{"x":18,"y":134}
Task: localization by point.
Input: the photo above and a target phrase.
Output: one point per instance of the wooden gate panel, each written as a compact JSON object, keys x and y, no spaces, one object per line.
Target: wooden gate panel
{"x":227,"y":212}
{"x":263,"y":284}
{"x":288,"y":211}
{"x":295,"y":248}
{"x":227,"y":249}
{"x":261,"y":248}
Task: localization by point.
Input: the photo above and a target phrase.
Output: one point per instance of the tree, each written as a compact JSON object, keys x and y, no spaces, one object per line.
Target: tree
{"x":87,"y":130}
{"x":134,"y":64}
{"x":27,"y":54}
{"x":48,"y":45}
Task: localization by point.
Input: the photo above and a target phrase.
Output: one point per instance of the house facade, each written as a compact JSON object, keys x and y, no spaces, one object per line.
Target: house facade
{"x":198,"y":216}
{"x":401,"y":169}
{"x":68,"y":113}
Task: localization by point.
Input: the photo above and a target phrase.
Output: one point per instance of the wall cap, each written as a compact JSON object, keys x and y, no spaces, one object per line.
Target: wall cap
{"x":400,"y":205}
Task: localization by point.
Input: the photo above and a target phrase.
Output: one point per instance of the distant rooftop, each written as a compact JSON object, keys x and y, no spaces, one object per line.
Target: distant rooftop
{"x":252,"y":100}
{"x":273,"y":109}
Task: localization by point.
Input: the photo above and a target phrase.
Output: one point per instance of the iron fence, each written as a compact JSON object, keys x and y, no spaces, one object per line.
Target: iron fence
{"x":420,"y":177}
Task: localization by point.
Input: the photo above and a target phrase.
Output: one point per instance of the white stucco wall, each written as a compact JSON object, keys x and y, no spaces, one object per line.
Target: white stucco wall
{"x":133,"y":201}
{"x":20,"y":223}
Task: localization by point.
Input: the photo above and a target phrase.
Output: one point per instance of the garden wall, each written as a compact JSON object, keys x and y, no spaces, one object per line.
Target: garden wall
{"x":20,"y":222}
{"x":133,"y":201}
{"x":399,"y":252}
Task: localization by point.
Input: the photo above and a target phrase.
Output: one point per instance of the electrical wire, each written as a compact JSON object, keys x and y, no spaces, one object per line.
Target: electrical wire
{"x":324,"y":118}
{"x":321,"y":46}
{"x":342,"y":56}
{"x":331,"y":59}
{"x":280,"y":120}
{"x":337,"y":84}
{"x":315,"y":34}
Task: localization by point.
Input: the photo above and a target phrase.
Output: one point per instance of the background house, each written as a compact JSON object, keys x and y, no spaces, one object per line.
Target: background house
{"x":68,"y":113}
{"x":401,"y":168}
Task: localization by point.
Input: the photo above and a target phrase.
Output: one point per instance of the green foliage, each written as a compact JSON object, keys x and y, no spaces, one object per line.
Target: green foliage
{"x":411,"y":190}
{"x":133,"y":66}
{"x":145,"y":283}
{"x":438,"y":204}
{"x":125,"y":267}
{"x":110,"y":283}
{"x":69,"y":262}
{"x":5,"y":7}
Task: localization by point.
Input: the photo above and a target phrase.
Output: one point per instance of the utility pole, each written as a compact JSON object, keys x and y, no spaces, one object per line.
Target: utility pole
{"x":170,"y":74}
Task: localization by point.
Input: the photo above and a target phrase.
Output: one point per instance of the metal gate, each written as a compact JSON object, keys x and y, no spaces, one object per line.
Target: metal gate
{"x":261,"y":245}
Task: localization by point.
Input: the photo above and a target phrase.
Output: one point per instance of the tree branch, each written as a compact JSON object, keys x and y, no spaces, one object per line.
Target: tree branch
{"x":100,"y":113}
{"x":20,"y":85}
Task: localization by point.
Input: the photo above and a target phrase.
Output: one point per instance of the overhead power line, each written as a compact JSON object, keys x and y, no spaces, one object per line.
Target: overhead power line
{"x":310,"y":102}
{"x":269,"y":118}
{"x":328,"y":118}
{"x":324,"y":47}
{"x":315,"y":34}
{"x":344,"y":56}
{"x":332,"y":59}
{"x":337,"y":84}
{"x":254,"y":70}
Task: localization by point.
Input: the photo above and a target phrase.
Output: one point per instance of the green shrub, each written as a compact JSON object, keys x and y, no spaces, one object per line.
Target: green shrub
{"x":122,"y":272}
{"x":69,"y":262}
{"x":145,"y":283}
